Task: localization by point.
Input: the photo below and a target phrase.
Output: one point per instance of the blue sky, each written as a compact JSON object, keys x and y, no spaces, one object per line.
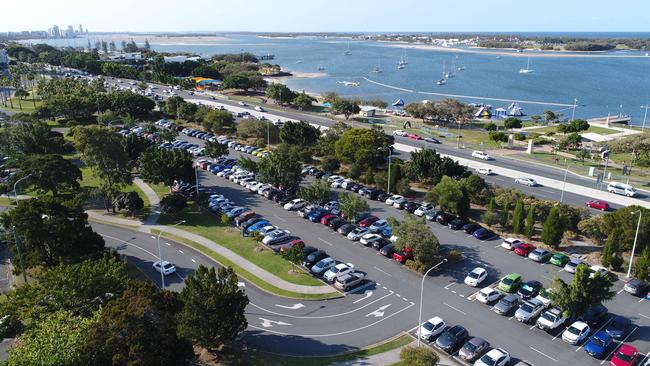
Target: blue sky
{"x":329,"y":16}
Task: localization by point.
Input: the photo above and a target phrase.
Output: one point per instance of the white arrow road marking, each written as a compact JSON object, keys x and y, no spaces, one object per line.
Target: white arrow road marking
{"x":368,"y":294}
{"x":269,"y":323}
{"x":292,"y":307}
{"x":379,"y":312}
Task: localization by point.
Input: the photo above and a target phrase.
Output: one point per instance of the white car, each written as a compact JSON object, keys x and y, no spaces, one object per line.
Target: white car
{"x":296,"y":204}
{"x":242,"y":104}
{"x":357,"y":233}
{"x":165,"y":267}
{"x":338,"y":270}
{"x":431,"y":328}
{"x":259,"y":109}
{"x":264,"y":188}
{"x":400,"y":133}
{"x":275,"y":236}
{"x":527,"y":181}
{"x":365,"y":239}
{"x":487,"y":295}
{"x":267,"y":229}
{"x":256,"y":187}
{"x":332,"y":178}
{"x":598,"y":270}
{"x":495,"y":357}
{"x":576,"y":332}
{"x":571,"y":265}
{"x":544,"y":297}
{"x":510,"y":243}
{"x":475,"y":277}
{"x":529,"y":310}
{"x":336,"y":183}
{"x":394,"y":198}
{"x":621,"y":188}
{"x":423,"y":209}
{"x":323,"y":265}
{"x":223,"y":172}
{"x":481,"y":155}
{"x":484,"y":171}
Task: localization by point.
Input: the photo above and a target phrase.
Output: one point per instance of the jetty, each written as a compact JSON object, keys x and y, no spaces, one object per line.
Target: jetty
{"x":607,"y":120}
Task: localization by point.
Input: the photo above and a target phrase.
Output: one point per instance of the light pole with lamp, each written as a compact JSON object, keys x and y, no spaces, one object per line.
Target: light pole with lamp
{"x":422,"y":295}
{"x":636,"y":236}
{"x":16,"y":184}
{"x":645,"y":115}
{"x":162,"y":272}
{"x":566,"y":170}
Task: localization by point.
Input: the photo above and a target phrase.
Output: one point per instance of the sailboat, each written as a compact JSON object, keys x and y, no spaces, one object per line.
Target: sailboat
{"x":450,"y":74}
{"x":461,"y":67}
{"x":527,"y":70}
{"x":403,"y":60}
{"x":347,"y":52}
{"x":377,"y":69}
{"x":321,"y":67}
{"x":442,"y":81}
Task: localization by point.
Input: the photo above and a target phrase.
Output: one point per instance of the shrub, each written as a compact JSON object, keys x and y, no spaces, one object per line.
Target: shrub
{"x":355,"y":171}
{"x":418,"y":356}
{"x":490,"y":126}
{"x":403,"y":187}
{"x":416,"y":266}
{"x":454,"y":255}
{"x":224,"y":219}
{"x":568,"y":236}
{"x":257,"y":236}
{"x":172,"y":203}
{"x":498,"y":136}
{"x":330,"y":164}
{"x":520,"y":136}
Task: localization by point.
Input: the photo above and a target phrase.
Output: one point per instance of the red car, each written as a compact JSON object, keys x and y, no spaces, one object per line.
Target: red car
{"x":403,"y":255}
{"x":598,"y":205}
{"x":626,"y":355}
{"x":325,"y":220}
{"x":524,"y":249}
{"x":289,"y":245}
{"x":205,"y":165}
{"x":414,"y":136}
{"x":368,"y":221}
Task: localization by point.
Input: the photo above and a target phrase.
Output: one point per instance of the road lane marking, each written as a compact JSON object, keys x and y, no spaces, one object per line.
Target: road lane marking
{"x":598,"y":330}
{"x":447,"y":287}
{"x":326,"y":242}
{"x":379,"y":312}
{"x":153,"y":237}
{"x":458,"y":310}
{"x":180,"y":251}
{"x":384,"y":272}
{"x":266,"y":323}
{"x":616,"y":348}
{"x":368,"y":293}
{"x":193,"y":261}
{"x":647,"y":317}
{"x":543,"y":354}
{"x":292,"y":307}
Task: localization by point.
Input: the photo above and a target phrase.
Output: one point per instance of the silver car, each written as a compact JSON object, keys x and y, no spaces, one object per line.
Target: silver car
{"x":529,"y":310}
{"x":357,"y":233}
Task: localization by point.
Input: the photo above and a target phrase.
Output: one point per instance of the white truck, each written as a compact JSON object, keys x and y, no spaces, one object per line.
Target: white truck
{"x":551,"y":319}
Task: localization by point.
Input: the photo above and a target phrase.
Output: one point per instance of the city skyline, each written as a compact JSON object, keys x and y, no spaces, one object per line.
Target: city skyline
{"x":360,"y":16}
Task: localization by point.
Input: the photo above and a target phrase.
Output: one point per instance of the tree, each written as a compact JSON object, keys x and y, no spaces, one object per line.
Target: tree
{"x":418,"y":356}
{"x":280,"y":169}
{"x":50,"y":173}
{"x":139,"y":328}
{"x":261,"y":130}
{"x":295,"y":255}
{"x":413,"y":232}
{"x":550,"y":116}
{"x":98,"y":148}
{"x":299,"y":133}
{"x":498,"y":136}
{"x":248,"y":164}
{"x":571,"y":141}
{"x":529,"y":230}
{"x":316,"y":193}
{"x":345,"y":107}
{"x":518,"y":217}
{"x":213,"y":307}
{"x":279,"y":92}
{"x":490,"y":126}
{"x":81,"y":289}
{"x":403,"y":187}
{"x":429,"y":167}
{"x":166,"y":166}
{"x":352,"y":204}
{"x":512,"y":122}
{"x":642,"y":267}
{"x":478,"y":190}
{"x":505,"y":213}
{"x":237,"y":81}
{"x":31,"y":138}
{"x":330,"y":164}
{"x":365,"y":146}
{"x":626,"y":219}
{"x":130,"y":201}
{"x":583,"y":154}
{"x":611,"y":249}
{"x":217,"y":121}
{"x":489,"y":217}
{"x":451,"y":196}
{"x":421,"y":110}
{"x":215,"y":149}
{"x":172,"y":203}
{"x":134,"y":145}
{"x":592,"y":227}
{"x":52,"y":231}
{"x":59,"y":339}
{"x":553,"y":229}
{"x":303,"y":101}
{"x":584,"y":291}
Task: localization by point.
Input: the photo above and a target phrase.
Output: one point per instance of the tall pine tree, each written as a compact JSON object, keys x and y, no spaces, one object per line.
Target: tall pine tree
{"x":505,"y":213}
{"x":553,"y":228}
{"x":518,"y":217}
{"x":529,"y":230}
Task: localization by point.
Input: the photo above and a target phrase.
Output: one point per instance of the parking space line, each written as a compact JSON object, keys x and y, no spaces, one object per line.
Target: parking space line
{"x":180,"y":251}
{"x":621,"y":290}
{"x":543,"y":354}
{"x":643,"y":298}
{"x":447,"y":287}
{"x":598,"y":330}
{"x":458,"y":310}
{"x":453,"y":292}
{"x":326,"y":242}
{"x":193,"y":261}
{"x":647,"y":317}
{"x":153,"y":237}
{"x":621,"y":342}
{"x":169,"y":245}
{"x":398,"y":295}
{"x":384,"y":272}
{"x":567,"y":327}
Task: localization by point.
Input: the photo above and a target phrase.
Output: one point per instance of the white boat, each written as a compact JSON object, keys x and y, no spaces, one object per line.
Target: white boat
{"x":402,"y":60}
{"x":400,"y":67}
{"x":442,"y":81}
{"x":299,"y":61}
{"x":377,"y":69}
{"x":527,"y":70}
{"x":347,"y":52}
{"x":321,"y":68}
{"x":450,"y":74}
{"x":349,"y":83}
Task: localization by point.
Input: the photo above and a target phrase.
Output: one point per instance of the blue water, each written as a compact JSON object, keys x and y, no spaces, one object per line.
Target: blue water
{"x":601,"y":85}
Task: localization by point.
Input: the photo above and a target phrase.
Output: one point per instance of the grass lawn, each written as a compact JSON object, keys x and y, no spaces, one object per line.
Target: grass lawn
{"x":89,"y":181}
{"x":6,"y":201}
{"x":160,"y":189}
{"x":27,"y":105}
{"x":205,"y":224}
{"x":255,"y":358}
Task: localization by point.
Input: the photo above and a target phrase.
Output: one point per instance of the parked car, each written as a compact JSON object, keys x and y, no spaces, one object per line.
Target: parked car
{"x":636,"y":287}
{"x":388,"y":250}
{"x":423,"y":209}
{"x":510,"y":243}
{"x":475,"y":277}
{"x":529,"y":289}
{"x":316,"y":214}
{"x":618,"y":326}
{"x":338,"y":270}
{"x":164,"y":267}
{"x":444,"y":218}
{"x":575,"y":333}
{"x":403,"y":255}
{"x":394,"y":198}
{"x":346,"y":229}
{"x":295,"y":204}
{"x":377,"y":244}
{"x":495,"y":357}
{"x":529,"y":310}
{"x":470,"y":228}
{"x":488,"y":295}
{"x":378,"y":226}
{"x":473,"y":349}
{"x":506,"y":304}
{"x":510,"y":283}
{"x":598,"y":205}
{"x":551,"y":319}
{"x":357,"y":233}
{"x":527,"y":181}
{"x":544,"y":296}
{"x":457,"y":223}
{"x":524,"y":249}
{"x":483,"y":234}
{"x":336,"y":223}
{"x":481,"y":155}
{"x":431,"y":328}
{"x":349,"y":280}
{"x":314,"y":257}
{"x":275,"y":236}
{"x":325,"y":220}
{"x":367,"y":238}
{"x":322,"y":266}
{"x":452,"y":338}
{"x":540,"y":255}
{"x":368,"y":221}
{"x":572,"y":265}
{"x":431,"y":215}
{"x":559,"y":259}
{"x":626,"y":355}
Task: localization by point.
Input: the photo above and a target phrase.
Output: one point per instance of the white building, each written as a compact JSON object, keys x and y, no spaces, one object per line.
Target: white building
{"x":55,"y":33}
{"x":367,"y":111}
{"x":124,"y":56}
{"x":4,"y":59}
{"x":181,"y":58}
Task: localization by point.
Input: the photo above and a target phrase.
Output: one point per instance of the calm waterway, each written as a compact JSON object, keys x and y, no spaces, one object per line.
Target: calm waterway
{"x":602,"y":85}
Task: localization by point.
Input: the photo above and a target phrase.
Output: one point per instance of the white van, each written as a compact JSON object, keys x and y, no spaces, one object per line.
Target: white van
{"x":621,"y":188}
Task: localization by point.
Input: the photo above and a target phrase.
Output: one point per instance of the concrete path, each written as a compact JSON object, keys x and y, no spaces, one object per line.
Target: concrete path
{"x":154,"y":201}
{"x":390,"y":358}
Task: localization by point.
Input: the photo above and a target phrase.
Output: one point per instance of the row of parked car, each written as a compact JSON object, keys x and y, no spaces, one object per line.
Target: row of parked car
{"x":342,"y":275}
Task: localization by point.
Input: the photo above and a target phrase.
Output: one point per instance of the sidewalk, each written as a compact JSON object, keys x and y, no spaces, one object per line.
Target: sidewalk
{"x":150,"y":224}
{"x":390,"y":358}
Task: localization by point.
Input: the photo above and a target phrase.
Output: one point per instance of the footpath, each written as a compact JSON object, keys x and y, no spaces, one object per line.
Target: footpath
{"x":391,"y":357}
{"x":150,"y":224}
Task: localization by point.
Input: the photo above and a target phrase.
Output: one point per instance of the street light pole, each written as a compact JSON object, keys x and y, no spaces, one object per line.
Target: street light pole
{"x":645,"y":115}
{"x":390,"y":155}
{"x":636,"y":236}
{"x":566,"y":170}
{"x":162,"y":272}
{"x":575,"y":104}
{"x":422,"y":295}
{"x":15,"y":184}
